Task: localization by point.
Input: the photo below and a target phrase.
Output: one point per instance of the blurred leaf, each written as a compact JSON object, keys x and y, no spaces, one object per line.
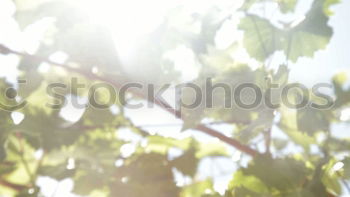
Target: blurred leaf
{"x":289,"y":126}
{"x":47,"y":130}
{"x":279,"y":144}
{"x":261,"y":38}
{"x":211,"y":150}
{"x":311,"y":120}
{"x":145,"y":175}
{"x":197,"y":189}
{"x":6,"y":168}
{"x":287,"y":173}
{"x":187,"y":163}
{"x":249,"y":182}
{"x":162,"y":145}
{"x":287,"y":5}
{"x":86,"y":183}
{"x":58,"y":172}
{"x":327,"y":4}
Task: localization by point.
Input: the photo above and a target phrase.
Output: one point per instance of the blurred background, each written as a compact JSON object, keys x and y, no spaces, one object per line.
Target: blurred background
{"x":155,"y":42}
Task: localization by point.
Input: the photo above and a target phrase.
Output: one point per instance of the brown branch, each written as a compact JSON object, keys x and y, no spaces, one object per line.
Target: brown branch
{"x":118,"y":84}
{"x":16,"y":187}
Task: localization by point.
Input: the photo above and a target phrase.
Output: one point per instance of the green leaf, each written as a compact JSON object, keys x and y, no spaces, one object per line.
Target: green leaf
{"x":287,"y":5}
{"x":47,"y":130}
{"x":346,"y":167}
{"x":310,"y":35}
{"x":248,"y":3}
{"x":327,"y":4}
{"x":33,"y":82}
{"x":88,"y":182}
{"x":261,"y":38}
{"x":7,"y":168}
{"x":289,"y":126}
{"x":282,"y":174}
{"x":2,"y":154}
{"x":342,"y":95}
{"x":261,"y":124}
{"x":161,"y":145}
{"x":33,"y":192}
{"x":306,"y":44}
{"x":197,"y":189}
{"x":243,"y":192}
{"x":332,"y":184}
{"x":187,"y":163}
{"x":311,"y":120}
{"x":251,"y":183}
{"x":58,"y":172}
{"x":211,"y":149}
{"x":279,"y":144}
{"x":234,"y":76}
{"x":145,"y":175}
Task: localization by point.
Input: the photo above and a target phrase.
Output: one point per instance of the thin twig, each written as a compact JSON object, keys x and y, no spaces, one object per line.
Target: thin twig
{"x":268,"y":141}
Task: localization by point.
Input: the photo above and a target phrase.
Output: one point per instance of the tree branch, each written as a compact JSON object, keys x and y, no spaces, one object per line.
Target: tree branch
{"x":118,"y":84}
{"x":16,"y":187}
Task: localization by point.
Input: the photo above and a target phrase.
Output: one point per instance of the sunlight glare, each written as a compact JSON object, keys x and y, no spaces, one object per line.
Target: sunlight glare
{"x":127,"y":20}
